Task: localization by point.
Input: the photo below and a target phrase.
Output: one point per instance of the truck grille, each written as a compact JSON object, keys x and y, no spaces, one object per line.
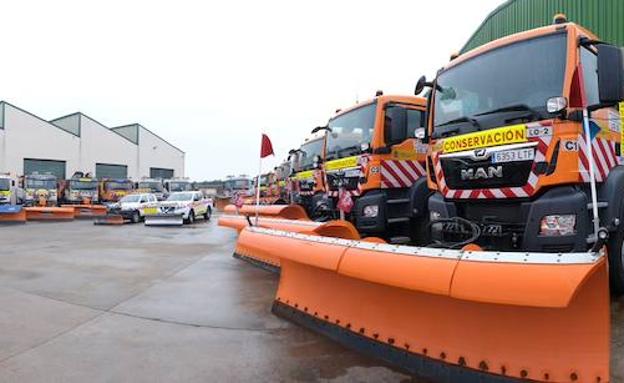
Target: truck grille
{"x":467,"y":173}
{"x":350,"y":183}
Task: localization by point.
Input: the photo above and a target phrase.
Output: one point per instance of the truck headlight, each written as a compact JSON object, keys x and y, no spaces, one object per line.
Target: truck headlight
{"x":434,"y":216}
{"x":558,"y":225}
{"x":371,"y":211}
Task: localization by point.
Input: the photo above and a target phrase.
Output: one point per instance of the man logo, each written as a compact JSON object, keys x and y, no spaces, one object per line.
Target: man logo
{"x":479,"y":153}
{"x":482,"y":173}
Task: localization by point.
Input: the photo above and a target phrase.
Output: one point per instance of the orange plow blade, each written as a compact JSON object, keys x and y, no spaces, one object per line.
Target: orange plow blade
{"x":109,"y":219}
{"x":448,"y":315}
{"x":257,"y":254}
{"x":49,"y":213}
{"x":87,"y":211}
{"x":276,"y":211}
{"x":12,"y":214}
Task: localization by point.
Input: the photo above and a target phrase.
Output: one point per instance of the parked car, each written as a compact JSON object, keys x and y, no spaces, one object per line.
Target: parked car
{"x":187,"y":204}
{"x":134,"y":206}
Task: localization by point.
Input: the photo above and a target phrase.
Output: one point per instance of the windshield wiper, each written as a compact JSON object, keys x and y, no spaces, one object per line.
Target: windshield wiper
{"x":471,"y":120}
{"x":446,"y":132}
{"x":512,"y":108}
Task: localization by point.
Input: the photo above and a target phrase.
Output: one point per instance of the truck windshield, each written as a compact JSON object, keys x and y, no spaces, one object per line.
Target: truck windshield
{"x":308,"y":151}
{"x":118,"y":186}
{"x":179,"y":186}
{"x":82,"y":185}
{"x":518,"y":78}
{"x":5,"y":184}
{"x":350,"y":131}
{"x":151,"y":185}
{"x":40,"y":184}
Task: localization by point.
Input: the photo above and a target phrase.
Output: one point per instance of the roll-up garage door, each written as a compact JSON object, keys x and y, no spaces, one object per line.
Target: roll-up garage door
{"x":161,"y":173}
{"x":54,"y":167}
{"x":111,"y":171}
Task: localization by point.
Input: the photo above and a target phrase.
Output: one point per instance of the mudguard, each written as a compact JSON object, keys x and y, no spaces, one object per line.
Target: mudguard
{"x":449,"y":315}
{"x":611,"y":192}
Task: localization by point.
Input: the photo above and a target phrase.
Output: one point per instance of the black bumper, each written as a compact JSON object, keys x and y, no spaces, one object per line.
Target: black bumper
{"x":519,"y":220}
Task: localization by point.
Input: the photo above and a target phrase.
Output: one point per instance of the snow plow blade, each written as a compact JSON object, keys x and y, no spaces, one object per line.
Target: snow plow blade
{"x":49,"y":213}
{"x":274,"y":211}
{"x":87,"y":211}
{"x":257,"y":254}
{"x":109,"y":219}
{"x":339,"y":229}
{"x":448,"y":315}
{"x":10,"y":214}
{"x":164,"y":220}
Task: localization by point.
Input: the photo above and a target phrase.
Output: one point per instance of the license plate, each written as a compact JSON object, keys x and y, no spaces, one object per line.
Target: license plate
{"x":527,"y":154}
{"x":494,"y":230}
{"x":150,"y":211}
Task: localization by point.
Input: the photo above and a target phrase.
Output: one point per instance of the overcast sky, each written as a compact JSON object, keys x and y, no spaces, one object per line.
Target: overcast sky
{"x":210,"y":76}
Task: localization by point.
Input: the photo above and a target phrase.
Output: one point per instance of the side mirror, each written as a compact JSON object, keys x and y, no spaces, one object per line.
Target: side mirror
{"x":420,"y":85}
{"x":316,"y":161}
{"x":420,"y":133}
{"x":395,"y":125}
{"x":610,"y":74}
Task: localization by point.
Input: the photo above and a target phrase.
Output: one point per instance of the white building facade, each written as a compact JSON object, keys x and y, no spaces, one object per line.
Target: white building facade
{"x":78,"y":143}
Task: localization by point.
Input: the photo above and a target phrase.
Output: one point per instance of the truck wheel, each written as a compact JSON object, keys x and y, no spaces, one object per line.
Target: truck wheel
{"x":616,"y":262}
{"x":207,"y":214}
{"x":136,"y":217}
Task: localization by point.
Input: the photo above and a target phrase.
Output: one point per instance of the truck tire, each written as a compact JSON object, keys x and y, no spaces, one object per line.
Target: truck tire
{"x":207,"y":214}
{"x":136,"y":217}
{"x":616,"y":262}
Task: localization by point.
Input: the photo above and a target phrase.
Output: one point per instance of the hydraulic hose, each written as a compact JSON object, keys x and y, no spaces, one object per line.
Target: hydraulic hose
{"x":473,"y":227}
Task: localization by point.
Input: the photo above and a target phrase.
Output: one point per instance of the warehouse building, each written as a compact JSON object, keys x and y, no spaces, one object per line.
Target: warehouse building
{"x":602,"y":17}
{"x":78,"y":142}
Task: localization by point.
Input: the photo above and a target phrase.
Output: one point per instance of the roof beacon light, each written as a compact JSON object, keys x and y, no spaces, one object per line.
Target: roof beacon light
{"x":379,"y":93}
{"x":560,"y":18}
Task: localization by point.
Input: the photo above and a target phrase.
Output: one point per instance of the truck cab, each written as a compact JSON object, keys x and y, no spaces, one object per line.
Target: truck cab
{"x":308,"y":177}
{"x":514,"y":127}
{"x":238,"y":186}
{"x":10,"y":192}
{"x":112,"y":190}
{"x":375,"y":154}
{"x":154,"y":186}
{"x":81,"y":188}
{"x":178,"y":185}
{"x":40,"y":189}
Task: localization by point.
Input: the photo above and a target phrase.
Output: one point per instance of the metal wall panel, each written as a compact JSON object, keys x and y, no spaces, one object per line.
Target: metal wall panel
{"x":56,"y":168}
{"x":110,"y":171}
{"x":603,"y":17}
{"x":161,"y":173}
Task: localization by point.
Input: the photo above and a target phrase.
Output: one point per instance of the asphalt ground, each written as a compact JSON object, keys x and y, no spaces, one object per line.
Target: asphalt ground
{"x":130,"y":303}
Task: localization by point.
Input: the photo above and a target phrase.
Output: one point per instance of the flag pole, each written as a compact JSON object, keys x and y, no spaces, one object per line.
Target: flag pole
{"x":258,"y":181}
{"x":592,"y":172}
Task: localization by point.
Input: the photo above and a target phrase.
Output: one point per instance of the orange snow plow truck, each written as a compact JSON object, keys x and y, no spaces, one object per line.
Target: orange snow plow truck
{"x":524,"y":226}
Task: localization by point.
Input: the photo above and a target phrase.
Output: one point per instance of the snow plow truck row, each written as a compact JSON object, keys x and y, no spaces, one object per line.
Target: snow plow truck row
{"x":476,"y":233}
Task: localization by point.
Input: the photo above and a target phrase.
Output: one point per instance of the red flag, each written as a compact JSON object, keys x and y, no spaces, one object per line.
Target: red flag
{"x":267,"y":147}
{"x":345,"y":202}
